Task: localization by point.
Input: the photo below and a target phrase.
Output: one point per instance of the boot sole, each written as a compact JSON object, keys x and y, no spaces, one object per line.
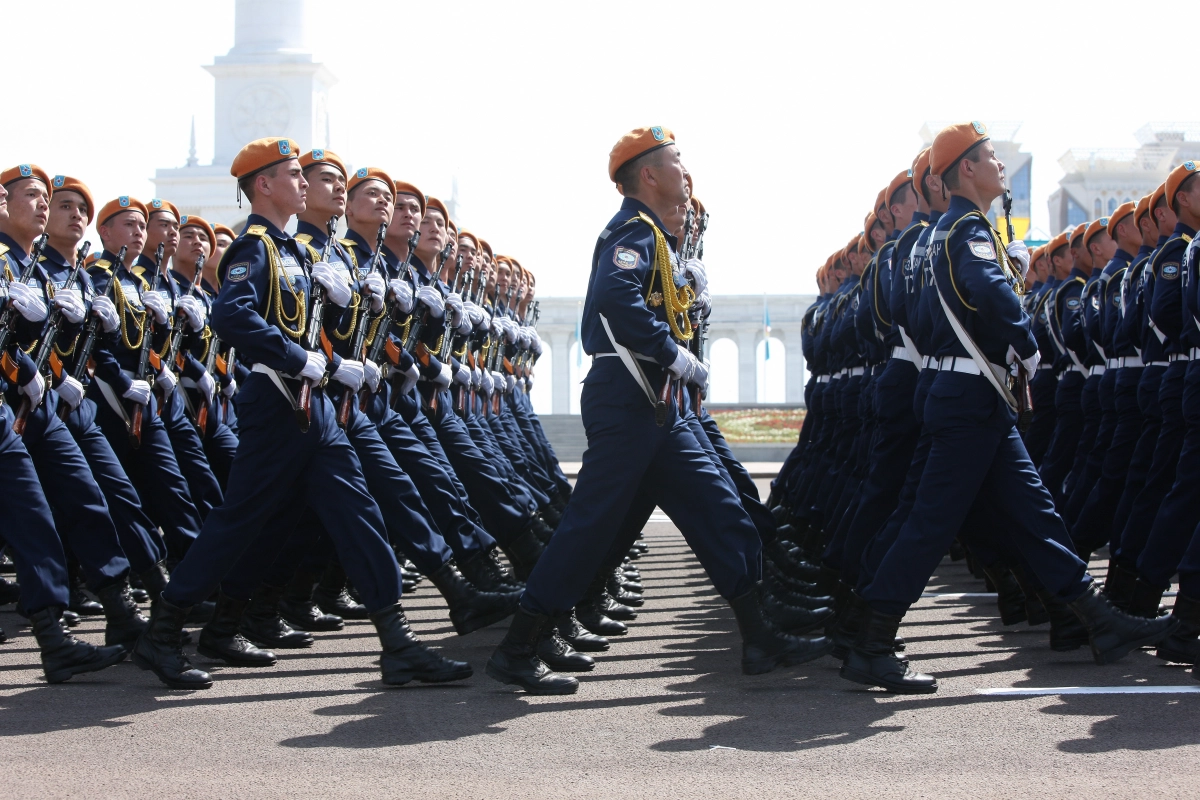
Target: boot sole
{"x":764,"y":665}
{"x":172,"y":684}
{"x":58,"y":676}
{"x":1168,"y":654}
{"x":587,"y":648}
{"x":499,"y":675}
{"x":1117,"y":653}
{"x":401,"y":678}
{"x":855,"y":676}
{"x":478,"y":623}
{"x":277,"y":645}
{"x":233,"y":662}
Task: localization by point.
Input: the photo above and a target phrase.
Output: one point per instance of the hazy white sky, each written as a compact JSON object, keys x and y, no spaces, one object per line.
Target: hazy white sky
{"x":791,"y":116}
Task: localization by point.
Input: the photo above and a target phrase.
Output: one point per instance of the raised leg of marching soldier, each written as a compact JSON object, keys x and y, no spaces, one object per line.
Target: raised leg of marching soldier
{"x":1089,"y":403}
{"x":1041,"y":427}
{"x":1068,"y":428}
{"x":1093,"y":465}
{"x":531,"y":426}
{"x":203,"y":486}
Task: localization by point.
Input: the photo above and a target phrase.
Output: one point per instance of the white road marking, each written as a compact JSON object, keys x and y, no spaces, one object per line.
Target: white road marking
{"x":1052,"y":690}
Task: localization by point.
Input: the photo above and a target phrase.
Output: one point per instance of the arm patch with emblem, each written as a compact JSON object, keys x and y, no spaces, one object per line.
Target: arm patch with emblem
{"x":983,"y":250}
{"x":238,"y":272}
{"x":625,"y":258}
{"x":1170,"y":271}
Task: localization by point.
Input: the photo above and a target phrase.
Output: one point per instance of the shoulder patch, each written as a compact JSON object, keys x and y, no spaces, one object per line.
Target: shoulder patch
{"x":983,"y":250}
{"x":238,"y":272}
{"x":1170,"y":271}
{"x":625,"y":258}
{"x":1073,"y":302}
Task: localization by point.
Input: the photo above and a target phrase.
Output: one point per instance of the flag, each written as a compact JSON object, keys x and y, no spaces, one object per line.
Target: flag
{"x":578,"y":335}
{"x":766,"y":331}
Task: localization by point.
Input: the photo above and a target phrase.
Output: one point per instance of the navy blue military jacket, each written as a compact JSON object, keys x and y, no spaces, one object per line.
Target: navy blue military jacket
{"x":899,"y":274}
{"x":1090,"y":317}
{"x":920,"y":302}
{"x":13,"y":261}
{"x":1068,"y":317}
{"x":1191,"y":305}
{"x":815,"y":356}
{"x":1039,"y":307}
{"x":979,"y":290}
{"x":869,"y":336}
{"x":1116,"y":345}
{"x":57,"y":270}
{"x":843,"y":340}
{"x":263,"y":297}
{"x":1166,"y":304}
{"x":1133,"y":307}
{"x":121,"y":349}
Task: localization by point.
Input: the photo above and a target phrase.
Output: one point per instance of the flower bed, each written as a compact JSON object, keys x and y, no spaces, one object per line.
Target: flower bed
{"x":760,"y":425}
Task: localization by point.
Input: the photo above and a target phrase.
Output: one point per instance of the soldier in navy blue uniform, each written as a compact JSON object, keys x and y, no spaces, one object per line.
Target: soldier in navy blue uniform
{"x":976,"y":451}
{"x":630,"y":325}
{"x":1044,"y":384}
{"x":40,"y":561}
{"x":290,"y":453}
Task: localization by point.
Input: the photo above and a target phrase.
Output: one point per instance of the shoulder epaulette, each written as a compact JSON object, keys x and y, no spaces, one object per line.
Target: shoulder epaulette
{"x":101,"y":263}
{"x":256,"y":230}
{"x":303,"y":238}
{"x":3,"y":249}
{"x":350,"y":244}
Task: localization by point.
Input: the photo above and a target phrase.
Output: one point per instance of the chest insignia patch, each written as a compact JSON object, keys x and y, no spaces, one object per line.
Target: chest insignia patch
{"x":625,"y":258}
{"x":238,"y":272}
{"x":1170,"y":272}
{"x":1073,"y":303}
{"x":983,"y":250}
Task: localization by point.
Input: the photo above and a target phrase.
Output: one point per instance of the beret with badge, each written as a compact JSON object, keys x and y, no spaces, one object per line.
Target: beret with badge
{"x":159,"y":206}
{"x":433,"y":204}
{"x":635,"y":144}
{"x":902,"y":179}
{"x":193,"y":221}
{"x":65,"y":183}
{"x":364,"y":174}
{"x":1180,"y":175}
{"x":1118,"y":216}
{"x":1093,"y":228}
{"x":259,"y":155}
{"x":219,"y":229}
{"x":317,"y":157}
{"x":953,"y":143}
{"x":119,"y":205}
{"x":1075,"y":236}
{"x":403,"y":187}
{"x":22,"y":171}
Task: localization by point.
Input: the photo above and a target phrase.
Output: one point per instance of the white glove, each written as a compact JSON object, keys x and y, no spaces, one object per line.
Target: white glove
{"x":336,"y":288}
{"x":485,"y":320}
{"x":371,"y":373}
{"x":208,"y":386}
{"x":103,"y":308}
{"x":454,"y":302}
{"x":510,"y":383}
{"x":27,"y":301}
{"x":462,"y":376}
{"x":443,"y":379}
{"x":700,"y":377}
{"x":193,"y":310}
{"x":695,"y":270}
{"x":70,"y":301}
{"x":70,"y":391}
{"x":1016,"y":364}
{"x":487,"y":382}
{"x":403,"y":294}
{"x":139,"y":392}
{"x":464,"y":325}
{"x":230,"y":388}
{"x":703,"y":303}
{"x":477,"y":377}
{"x":523,"y":337}
{"x":528,"y":383}
{"x":34,"y":389}
{"x":433,"y":300}
{"x":411,"y":376}
{"x":166,"y":379}
{"x":1019,"y":253}
{"x":510,"y":330}
{"x":350,"y":373}
{"x":474,"y":312}
{"x":536,"y":342}
{"x":372,"y":286}
{"x":684,"y":365}
{"x":315,"y":368}
{"x":156,"y":305}
{"x":496,"y":325}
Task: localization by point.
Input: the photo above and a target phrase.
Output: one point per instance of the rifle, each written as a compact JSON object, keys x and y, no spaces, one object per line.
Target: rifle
{"x":379,"y":344}
{"x":312,"y":334}
{"x":1021,"y":382}
{"x":448,"y":330}
{"x":210,"y":362}
{"x":143,"y":370}
{"x":177,"y":327}
{"x":84,"y":352}
{"x":358,"y":346}
{"x":49,"y":336}
{"x":9,"y":315}
{"x":471,"y":289}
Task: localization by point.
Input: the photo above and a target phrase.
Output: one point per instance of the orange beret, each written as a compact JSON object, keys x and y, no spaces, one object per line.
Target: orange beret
{"x":193,"y":221}
{"x":1178,"y":175}
{"x":920,"y":167}
{"x":1123,"y":211}
{"x":1094,"y":227}
{"x":400,"y":187}
{"x":450,"y":226}
{"x":902,"y":179}
{"x":65,"y":183}
{"x":465,"y":234}
{"x":1143,"y":208}
{"x":160,"y":206}
{"x":880,"y":200}
{"x":364,"y":174}
{"x":432,"y":203}
{"x":118,"y":205}
{"x":317,"y":157}
{"x":1035,"y":256}
{"x":218,"y":229}
{"x":637,"y":143}
{"x":263,"y":153}
{"x":487,"y":248}
{"x":1056,"y":244}
{"x":953,"y":143}
{"x":1074,"y":235}
{"x":22,"y":171}
{"x":1157,"y":196}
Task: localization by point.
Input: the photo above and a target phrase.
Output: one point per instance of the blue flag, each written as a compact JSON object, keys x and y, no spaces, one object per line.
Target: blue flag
{"x":766,"y":331}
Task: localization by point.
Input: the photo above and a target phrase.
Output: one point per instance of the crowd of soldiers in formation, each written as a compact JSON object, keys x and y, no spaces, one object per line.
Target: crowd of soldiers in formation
{"x":1108,"y":408}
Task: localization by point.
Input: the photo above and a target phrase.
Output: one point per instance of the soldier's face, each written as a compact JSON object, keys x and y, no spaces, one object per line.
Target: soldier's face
{"x":469,"y":253}
{"x":370,"y":204}
{"x":223,"y":243}
{"x":671,"y":177}
{"x":28,"y":207}
{"x":287,"y":188}
{"x":326,"y":190}
{"x":406,"y":216}
{"x":989,"y":172}
{"x":492,"y":280}
{"x":433,"y":234}
{"x":163,"y":229}
{"x":193,"y":243}
{"x":503,"y":273}
{"x":877,"y":235}
{"x":3,"y":203}
{"x":68,"y":217}
{"x":126,"y":229}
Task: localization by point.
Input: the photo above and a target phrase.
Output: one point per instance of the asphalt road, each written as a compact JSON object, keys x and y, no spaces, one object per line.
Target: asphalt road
{"x":666,"y":714}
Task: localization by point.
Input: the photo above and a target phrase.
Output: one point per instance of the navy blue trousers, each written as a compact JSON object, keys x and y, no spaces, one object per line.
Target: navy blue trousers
{"x":203,"y":486}
{"x":1041,"y":428}
{"x":1089,"y":403}
{"x":1093,"y":465}
{"x":1139,"y":463}
{"x":1068,"y":427}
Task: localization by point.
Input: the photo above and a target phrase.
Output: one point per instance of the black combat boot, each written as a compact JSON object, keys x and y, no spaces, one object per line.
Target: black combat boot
{"x":1118,"y":585}
{"x":500,"y":571}
{"x":1009,"y":598}
{"x":763,"y":647}
{"x":1036,"y":612}
{"x":791,"y":598}
{"x":1114,"y":633}
{"x":1183,"y":646}
{"x":154,"y":580}
{"x":789,"y":563}
{"x":873,"y":660}
{"x":405,"y":658}
{"x":1145,"y":600}
{"x":516,"y":660}
{"x":262,"y":624}
{"x":470,"y":609}
{"x":523,"y":552}
{"x":80,"y":603}
{"x":10,"y":592}
{"x":558,"y":655}
{"x":616,"y":589}
{"x":298,"y":609}
{"x":63,"y":655}
{"x":220,"y":639}
{"x":848,"y":626}
{"x":485,"y":575}
{"x":551,"y":515}
{"x":160,"y":649}
{"x":578,"y":636}
{"x":1067,"y":632}
{"x":124,"y":622}
{"x":332,"y":598}
{"x":614,"y":610}
{"x":793,"y":619}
